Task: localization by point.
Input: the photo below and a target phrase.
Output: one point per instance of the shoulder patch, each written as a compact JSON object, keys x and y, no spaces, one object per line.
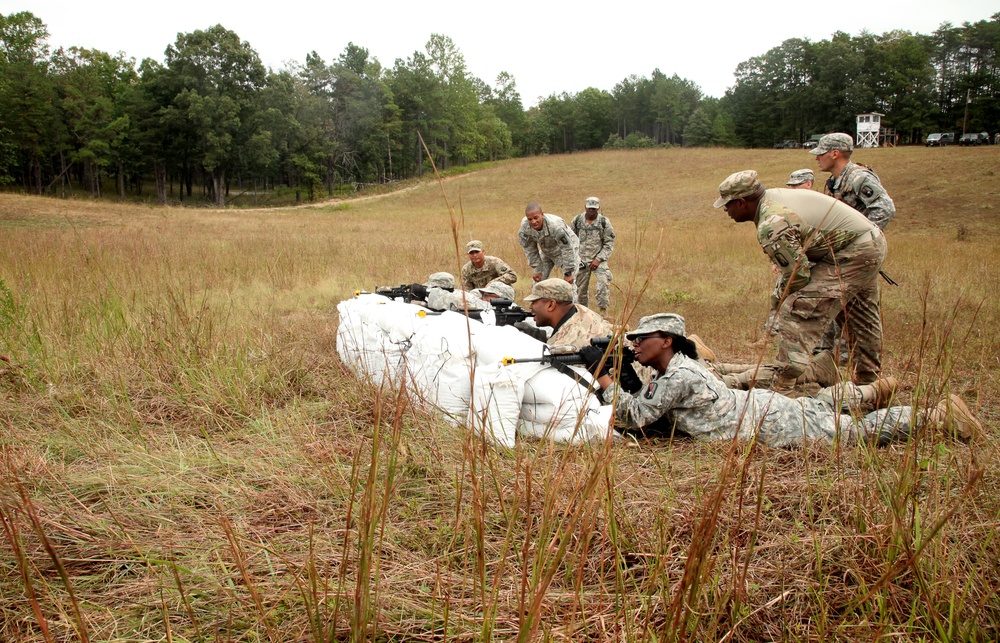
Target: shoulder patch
{"x":650,"y":391}
{"x":867,"y":192}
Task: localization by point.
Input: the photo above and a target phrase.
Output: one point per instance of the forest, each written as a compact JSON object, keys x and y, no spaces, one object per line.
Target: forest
{"x":212,"y":122}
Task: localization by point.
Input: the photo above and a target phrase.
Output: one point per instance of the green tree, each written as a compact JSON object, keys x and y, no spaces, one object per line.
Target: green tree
{"x":594,"y":118}
{"x":217,"y":80}
{"x":28,"y":119}
{"x":91,"y":87}
{"x":698,"y":132}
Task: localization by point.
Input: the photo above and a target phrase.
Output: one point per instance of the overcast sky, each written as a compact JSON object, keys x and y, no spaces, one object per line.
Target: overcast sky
{"x":548,"y":47}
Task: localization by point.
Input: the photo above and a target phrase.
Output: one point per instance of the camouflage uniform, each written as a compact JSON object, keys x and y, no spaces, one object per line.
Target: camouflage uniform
{"x":578,"y":327}
{"x":441,"y":299}
{"x":597,"y":241}
{"x":831,"y":256}
{"x":860,"y":188}
{"x":554,"y":245}
{"x":494,"y":268}
{"x":688,"y":400}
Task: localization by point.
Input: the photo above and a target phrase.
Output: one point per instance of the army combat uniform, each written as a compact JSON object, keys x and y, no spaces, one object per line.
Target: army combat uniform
{"x":578,"y":327}
{"x":688,"y":400}
{"x":554,"y":245}
{"x":860,"y":188}
{"x":597,"y":241}
{"x":494,"y":269}
{"x":829,"y":256}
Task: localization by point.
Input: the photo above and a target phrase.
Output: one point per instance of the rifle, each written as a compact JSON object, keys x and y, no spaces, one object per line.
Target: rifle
{"x":505,"y":311}
{"x":626,"y":375}
{"x":402,"y":291}
{"x":889,"y":280}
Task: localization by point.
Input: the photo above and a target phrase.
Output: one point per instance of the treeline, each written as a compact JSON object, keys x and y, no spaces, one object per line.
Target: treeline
{"x":213,"y":120}
{"x":922,"y":83}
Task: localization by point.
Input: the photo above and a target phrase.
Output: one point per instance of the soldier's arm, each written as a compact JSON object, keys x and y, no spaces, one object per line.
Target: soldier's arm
{"x":607,"y":242}
{"x":467,"y":277}
{"x":879,"y":207}
{"x":507,"y":274}
{"x":570,"y":252}
{"x":530,"y":247}
{"x":782,"y":242}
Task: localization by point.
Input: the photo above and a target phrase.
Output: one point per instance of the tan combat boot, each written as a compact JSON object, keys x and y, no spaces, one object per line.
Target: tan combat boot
{"x":821,"y":370}
{"x":725,"y":368}
{"x":885,"y":390}
{"x":704,"y":352}
{"x":752,"y":377}
{"x":955,"y":418}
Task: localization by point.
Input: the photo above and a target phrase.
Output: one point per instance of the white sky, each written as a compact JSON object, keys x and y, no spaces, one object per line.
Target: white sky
{"x":548,"y":47}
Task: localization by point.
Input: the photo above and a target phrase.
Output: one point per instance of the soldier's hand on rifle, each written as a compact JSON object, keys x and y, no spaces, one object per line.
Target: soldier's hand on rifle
{"x":594,"y":264}
{"x":628,"y":380}
{"x":593,"y":357}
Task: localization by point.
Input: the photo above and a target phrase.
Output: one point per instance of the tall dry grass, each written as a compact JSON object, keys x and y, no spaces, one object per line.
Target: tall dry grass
{"x":183,"y":458}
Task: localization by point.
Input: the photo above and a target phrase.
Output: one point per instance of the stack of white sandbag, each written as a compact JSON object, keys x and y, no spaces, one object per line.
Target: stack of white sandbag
{"x":455,"y":365}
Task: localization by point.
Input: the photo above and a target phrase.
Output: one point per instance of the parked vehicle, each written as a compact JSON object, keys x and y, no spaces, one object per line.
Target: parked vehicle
{"x":969,"y":139}
{"x":939,"y":139}
{"x":787,"y":144}
{"x":812,"y":142}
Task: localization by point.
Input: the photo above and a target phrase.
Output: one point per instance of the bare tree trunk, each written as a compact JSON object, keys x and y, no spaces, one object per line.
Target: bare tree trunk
{"x":36,"y":172}
{"x":160,"y":175}
{"x":121,"y":180}
{"x":62,"y":174}
{"x":219,"y":187}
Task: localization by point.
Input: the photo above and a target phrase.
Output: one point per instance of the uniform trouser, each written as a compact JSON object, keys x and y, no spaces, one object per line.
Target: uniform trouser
{"x":603,"y":277}
{"x":548,"y":265}
{"x":846,"y":283}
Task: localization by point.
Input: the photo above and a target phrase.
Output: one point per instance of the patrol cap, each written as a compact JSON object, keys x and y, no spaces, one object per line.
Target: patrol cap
{"x":474,"y":246}
{"x":498,"y":288}
{"x":658,"y":323}
{"x":798,"y":177}
{"x":738,"y":185}
{"x":555,"y":289}
{"x":593,"y":202}
{"x":440,"y":280}
{"x":838,"y":141}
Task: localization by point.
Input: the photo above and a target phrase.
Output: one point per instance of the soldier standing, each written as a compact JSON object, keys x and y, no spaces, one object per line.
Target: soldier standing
{"x":548,"y":242}
{"x":801,"y":179}
{"x":597,"y":242}
{"x":856,"y":185}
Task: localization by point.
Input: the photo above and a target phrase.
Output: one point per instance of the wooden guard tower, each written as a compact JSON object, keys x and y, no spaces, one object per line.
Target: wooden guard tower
{"x":868,"y":129}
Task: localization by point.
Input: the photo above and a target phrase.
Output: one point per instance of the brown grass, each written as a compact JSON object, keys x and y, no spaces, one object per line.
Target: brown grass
{"x":183,"y":457}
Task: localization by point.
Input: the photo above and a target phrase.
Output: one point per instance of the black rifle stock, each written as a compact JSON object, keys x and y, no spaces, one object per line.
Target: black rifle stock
{"x":401,"y":291}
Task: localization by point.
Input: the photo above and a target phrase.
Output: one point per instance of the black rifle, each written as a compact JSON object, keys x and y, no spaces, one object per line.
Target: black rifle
{"x":628,"y":355}
{"x":402,"y":291}
{"x":505,"y":311}
{"x":889,"y":280}
{"x":622,"y":365}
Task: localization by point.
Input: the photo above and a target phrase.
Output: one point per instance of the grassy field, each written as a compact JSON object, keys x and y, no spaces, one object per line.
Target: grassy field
{"x":183,"y":457}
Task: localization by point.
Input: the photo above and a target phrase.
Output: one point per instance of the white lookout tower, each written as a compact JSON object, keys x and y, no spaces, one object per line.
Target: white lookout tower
{"x":868,"y":129}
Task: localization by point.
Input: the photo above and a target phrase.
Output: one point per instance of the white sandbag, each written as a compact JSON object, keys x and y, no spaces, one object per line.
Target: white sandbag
{"x":496,"y":409}
{"x":556,"y":408}
{"x":439,"y":364}
{"x":453,"y":364}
